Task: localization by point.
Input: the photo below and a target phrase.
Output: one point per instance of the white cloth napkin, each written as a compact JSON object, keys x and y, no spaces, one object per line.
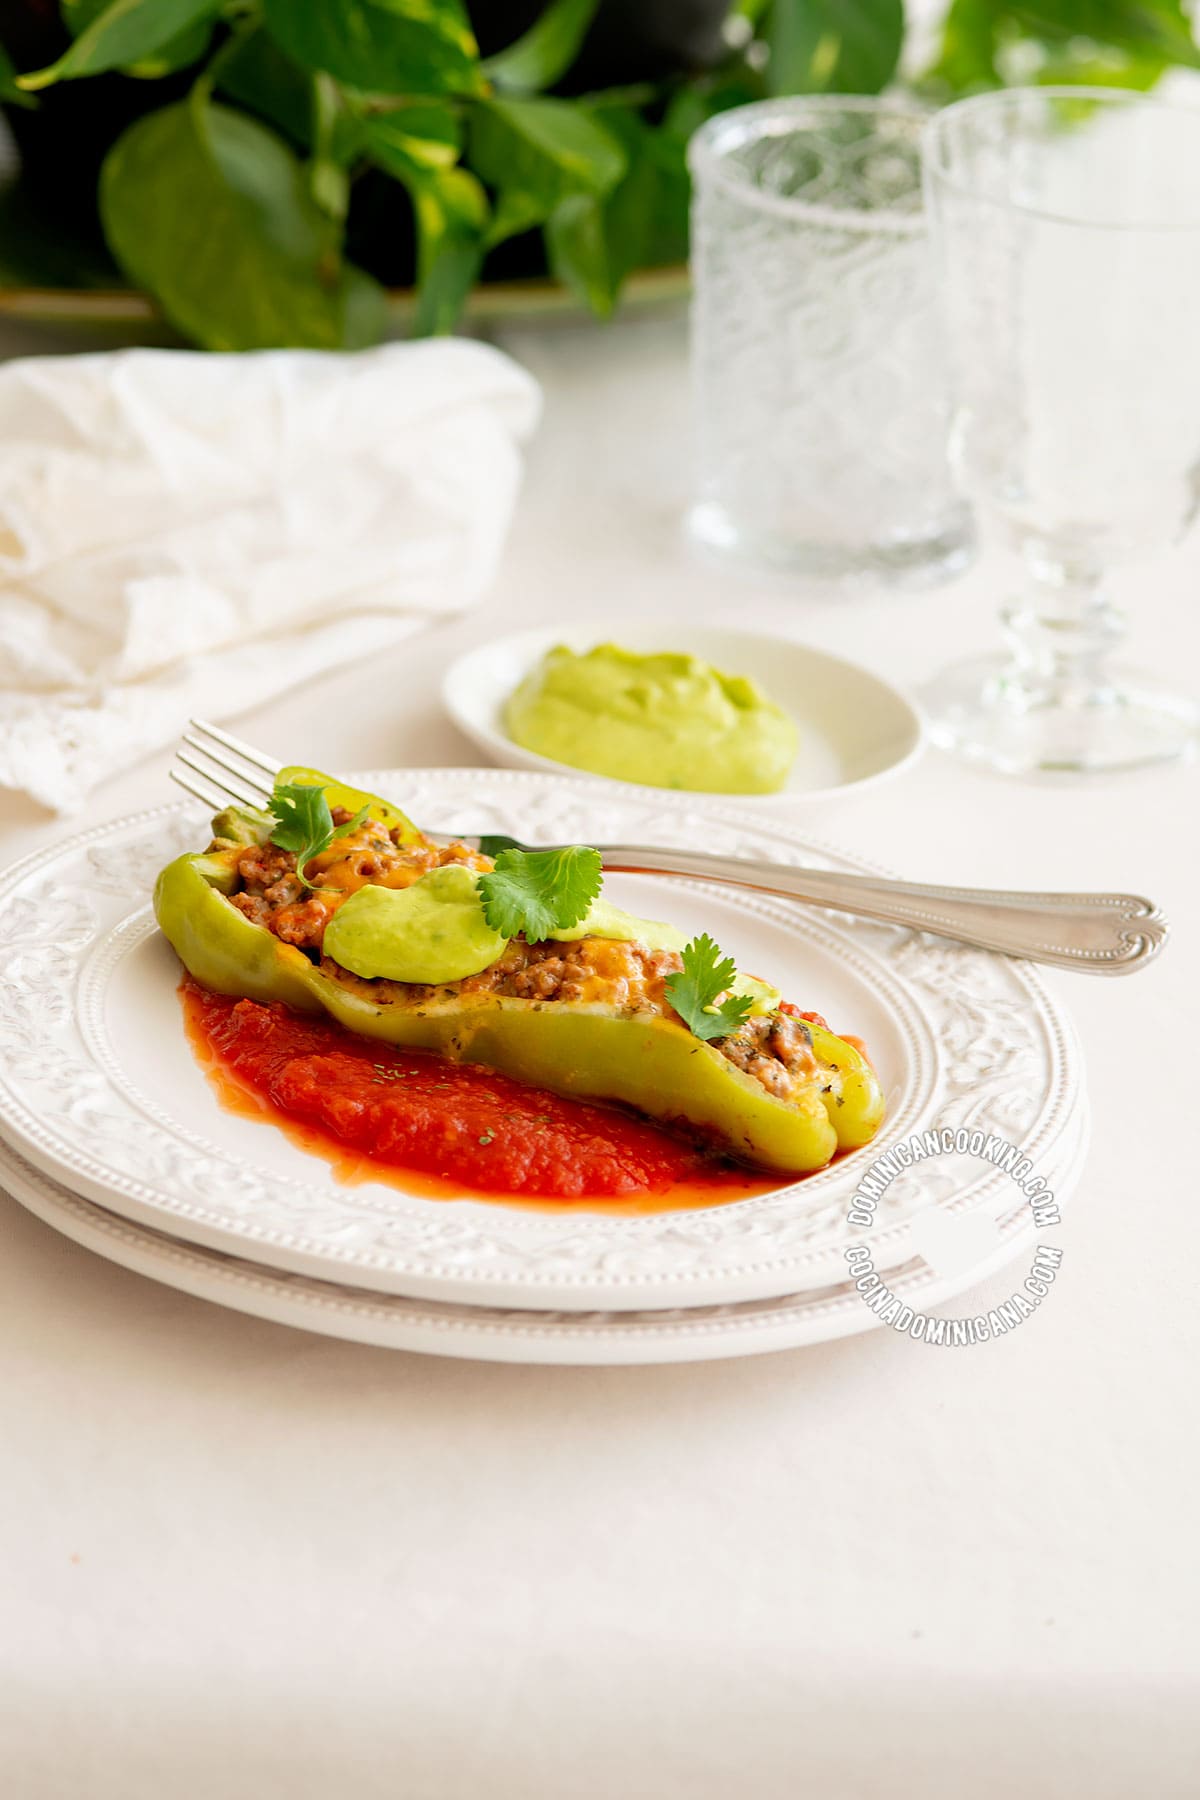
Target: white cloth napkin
{"x":184,"y":533}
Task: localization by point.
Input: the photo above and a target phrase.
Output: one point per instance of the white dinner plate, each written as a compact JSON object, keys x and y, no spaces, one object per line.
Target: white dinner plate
{"x":99,"y":1089}
{"x":854,"y":728}
{"x":499,"y":1334}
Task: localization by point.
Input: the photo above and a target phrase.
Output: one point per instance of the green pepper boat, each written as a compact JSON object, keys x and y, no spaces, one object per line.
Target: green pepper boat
{"x":637,"y":1054}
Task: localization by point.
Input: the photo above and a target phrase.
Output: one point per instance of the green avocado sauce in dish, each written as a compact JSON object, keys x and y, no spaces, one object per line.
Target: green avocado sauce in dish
{"x":661,"y":720}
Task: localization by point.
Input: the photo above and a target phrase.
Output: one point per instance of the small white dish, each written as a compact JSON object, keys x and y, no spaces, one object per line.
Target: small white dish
{"x":854,"y":728}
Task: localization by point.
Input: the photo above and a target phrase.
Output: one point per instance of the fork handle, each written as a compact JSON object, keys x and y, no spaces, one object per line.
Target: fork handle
{"x":1098,"y":934}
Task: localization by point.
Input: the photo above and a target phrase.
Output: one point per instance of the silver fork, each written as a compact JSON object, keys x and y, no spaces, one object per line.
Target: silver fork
{"x":1099,"y":934}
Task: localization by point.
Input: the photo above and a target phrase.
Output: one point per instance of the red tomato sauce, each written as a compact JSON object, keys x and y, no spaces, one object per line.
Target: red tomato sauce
{"x":449,"y":1128}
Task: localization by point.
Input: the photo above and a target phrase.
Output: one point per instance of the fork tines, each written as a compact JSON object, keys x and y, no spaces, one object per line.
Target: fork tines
{"x":224,"y":768}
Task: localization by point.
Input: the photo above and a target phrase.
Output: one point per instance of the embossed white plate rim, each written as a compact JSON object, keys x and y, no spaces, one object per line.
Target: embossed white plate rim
{"x":432,"y":1328}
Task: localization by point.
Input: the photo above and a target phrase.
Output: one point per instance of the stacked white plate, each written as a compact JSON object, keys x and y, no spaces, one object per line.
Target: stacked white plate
{"x":112,"y":1133}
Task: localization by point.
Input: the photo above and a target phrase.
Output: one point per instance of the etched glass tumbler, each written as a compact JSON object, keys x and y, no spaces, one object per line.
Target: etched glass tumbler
{"x":818,"y":371}
{"x":1066,"y":226}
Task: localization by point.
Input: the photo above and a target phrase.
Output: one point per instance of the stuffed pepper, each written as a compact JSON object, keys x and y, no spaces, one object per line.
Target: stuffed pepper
{"x":333,"y":901}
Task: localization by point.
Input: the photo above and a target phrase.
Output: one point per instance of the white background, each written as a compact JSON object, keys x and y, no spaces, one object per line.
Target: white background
{"x":245,"y":1562}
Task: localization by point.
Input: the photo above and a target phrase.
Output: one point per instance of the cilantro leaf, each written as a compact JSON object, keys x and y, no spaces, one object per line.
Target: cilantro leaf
{"x":304,"y":823}
{"x":693,"y":991}
{"x":540,"y":891}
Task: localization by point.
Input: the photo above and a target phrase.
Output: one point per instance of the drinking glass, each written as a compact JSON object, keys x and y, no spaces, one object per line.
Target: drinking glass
{"x":819,"y":382}
{"x":1066,"y":226}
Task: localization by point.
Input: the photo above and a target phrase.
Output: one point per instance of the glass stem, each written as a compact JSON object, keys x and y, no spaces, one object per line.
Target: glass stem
{"x":1062,"y":629}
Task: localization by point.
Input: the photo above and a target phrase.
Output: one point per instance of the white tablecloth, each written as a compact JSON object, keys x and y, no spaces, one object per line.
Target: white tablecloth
{"x":246,"y":1562}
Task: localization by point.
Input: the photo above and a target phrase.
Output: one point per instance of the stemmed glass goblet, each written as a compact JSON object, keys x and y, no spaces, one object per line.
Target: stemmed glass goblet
{"x":1066,"y":232}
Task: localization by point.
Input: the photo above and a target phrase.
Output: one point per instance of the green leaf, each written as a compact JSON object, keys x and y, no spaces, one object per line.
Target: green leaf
{"x":419,"y":145}
{"x":737,"y":84}
{"x":451,"y":211}
{"x":412,"y":139}
{"x":551,"y":142}
{"x":209,"y":211}
{"x":693,"y":993}
{"x":668,"y":227}
{"x":304,"y":823}
{"x":302,"y":816}
{"x":580,"y":252}
{"x":535,"y":153}
{"x":178,"y":52}
{"x":125,"y":32}
{"x":77,"y":15}
{"x":834,"y":46}
{"x":10,"y":93}
{"x":381,"y":46}
{"x":1086,"y":65}
{"x":546,"y":51}
{"x":540,"y":891}
{"x":1108,"y":43}
{"x":514,"y":212}
{"x":1139,"y":26}
{"x":967,"y":54}
{"x":256,"y":73}
{"x":335,"y":137}
{"x":594,"y":243}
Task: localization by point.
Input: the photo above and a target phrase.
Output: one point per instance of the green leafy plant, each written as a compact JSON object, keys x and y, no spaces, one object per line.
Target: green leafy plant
{"x":540,"y":891}
{"x":305,"y":154}
{"x":304,"y":823}
{"x":695,"y":991}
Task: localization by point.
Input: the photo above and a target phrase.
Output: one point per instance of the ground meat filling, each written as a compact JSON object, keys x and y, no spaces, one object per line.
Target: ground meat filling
{"x":271,"y":893}
{"x":629,"y":977}
{"x":775,"y":1050}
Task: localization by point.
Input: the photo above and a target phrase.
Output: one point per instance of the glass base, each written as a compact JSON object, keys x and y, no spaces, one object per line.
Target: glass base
{"x":906,"y":561}
{"x":993,"y":712}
